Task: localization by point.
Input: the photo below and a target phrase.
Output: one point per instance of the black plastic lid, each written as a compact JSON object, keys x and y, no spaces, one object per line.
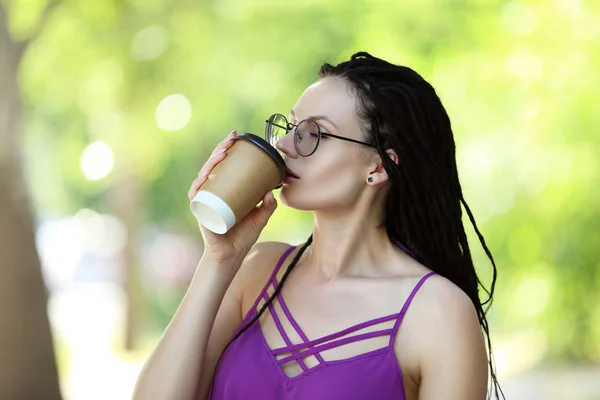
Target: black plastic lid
{"x":267,"y":148}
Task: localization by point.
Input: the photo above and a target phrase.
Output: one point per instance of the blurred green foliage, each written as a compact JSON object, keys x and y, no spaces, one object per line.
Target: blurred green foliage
{"x":519,"y":79}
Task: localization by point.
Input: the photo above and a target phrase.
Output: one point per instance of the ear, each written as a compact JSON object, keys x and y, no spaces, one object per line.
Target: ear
{"x":393,"y":156}
{"x":378,"y":174}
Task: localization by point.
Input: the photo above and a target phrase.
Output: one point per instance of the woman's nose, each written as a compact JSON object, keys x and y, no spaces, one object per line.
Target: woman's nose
{"x":286,"y":144}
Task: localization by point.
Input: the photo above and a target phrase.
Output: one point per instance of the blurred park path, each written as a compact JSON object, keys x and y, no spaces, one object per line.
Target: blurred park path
{"x":574,"y":383}
{"x":579,"y":383}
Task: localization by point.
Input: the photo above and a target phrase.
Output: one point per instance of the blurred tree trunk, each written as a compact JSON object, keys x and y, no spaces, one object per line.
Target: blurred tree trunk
{"x":27,"y":363}
{"x":125,"y":198}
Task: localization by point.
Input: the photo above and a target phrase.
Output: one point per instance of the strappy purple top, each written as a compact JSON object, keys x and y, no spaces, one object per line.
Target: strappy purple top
{"x":249,"y":369}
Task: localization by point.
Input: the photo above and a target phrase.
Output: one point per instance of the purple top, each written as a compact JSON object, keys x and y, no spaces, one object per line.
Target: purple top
{"x":249,"y":369}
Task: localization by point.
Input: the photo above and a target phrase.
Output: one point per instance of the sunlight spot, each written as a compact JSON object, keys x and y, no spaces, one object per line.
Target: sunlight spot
{"x":585,"y":26}
{"x":518,"y":19}
{"x":525,"y":64}
{"x":97,"y":160}
{"x":173,"y":113}
{"x":568,"y":6}
{"x":100,"y":234}
{"x":149,"y":43}
{"x":535,"y":291}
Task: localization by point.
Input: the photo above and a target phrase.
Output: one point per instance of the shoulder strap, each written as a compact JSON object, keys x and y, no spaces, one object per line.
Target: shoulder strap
{"x":273,"y":275}
{"x":406,"y":305}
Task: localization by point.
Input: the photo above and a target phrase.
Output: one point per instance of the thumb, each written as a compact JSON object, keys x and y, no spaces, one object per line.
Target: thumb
{"x":260,"y":215}
{"x":268,"y":206}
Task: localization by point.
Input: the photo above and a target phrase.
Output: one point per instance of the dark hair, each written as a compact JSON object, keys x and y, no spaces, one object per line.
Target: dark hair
{"x":401,"y":111}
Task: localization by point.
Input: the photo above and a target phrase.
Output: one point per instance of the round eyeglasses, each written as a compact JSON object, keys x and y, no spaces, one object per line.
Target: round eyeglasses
{"x":307,"y":134}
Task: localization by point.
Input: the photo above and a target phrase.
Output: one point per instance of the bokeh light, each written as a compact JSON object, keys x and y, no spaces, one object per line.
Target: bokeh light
{"x":97,"y":160}
{"x":149,"y":43}
{"x":173,"y":112}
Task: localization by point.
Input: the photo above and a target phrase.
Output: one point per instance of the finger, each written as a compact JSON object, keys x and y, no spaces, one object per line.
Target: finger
{"x":226,"y":143}
{"x":196,"y":184}
{"x":210,"y":164}
{"x":203,"y":175}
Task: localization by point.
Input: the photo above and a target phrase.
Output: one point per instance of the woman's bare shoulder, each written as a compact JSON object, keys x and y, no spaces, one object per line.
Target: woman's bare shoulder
{"x":441,"y":330}
{"x":441,"y":302}
{"x":442,"y":295}
{"x":257,"y":268}
{"x":263,"y":251}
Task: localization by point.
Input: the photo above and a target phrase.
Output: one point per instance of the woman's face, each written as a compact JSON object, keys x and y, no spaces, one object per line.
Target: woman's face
{"x":335,"y":174}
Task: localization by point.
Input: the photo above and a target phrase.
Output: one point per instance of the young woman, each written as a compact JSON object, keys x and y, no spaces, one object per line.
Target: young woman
{"x":381,"y":302}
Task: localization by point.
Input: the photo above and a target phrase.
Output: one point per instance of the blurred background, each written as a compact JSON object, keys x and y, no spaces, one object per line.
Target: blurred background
{"x":108,"y":109}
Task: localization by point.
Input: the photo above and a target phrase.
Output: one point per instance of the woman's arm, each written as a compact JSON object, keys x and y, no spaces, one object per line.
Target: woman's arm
{"x":452,"y":352}
{"x":182,"y":364}
{"x":174,"y":367}
{"x":247,"y":284}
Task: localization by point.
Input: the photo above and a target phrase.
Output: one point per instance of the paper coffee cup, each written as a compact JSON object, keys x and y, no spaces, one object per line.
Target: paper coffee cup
{"x":238,"y":183}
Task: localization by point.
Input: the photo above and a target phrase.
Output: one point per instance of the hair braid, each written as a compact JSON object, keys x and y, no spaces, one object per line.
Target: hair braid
{"x":266,"y":304}
{"x":401,"y":110}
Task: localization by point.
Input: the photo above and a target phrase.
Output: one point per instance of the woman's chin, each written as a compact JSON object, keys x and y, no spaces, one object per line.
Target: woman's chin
{"x":284,"y":198}
{"x":290,"y":201}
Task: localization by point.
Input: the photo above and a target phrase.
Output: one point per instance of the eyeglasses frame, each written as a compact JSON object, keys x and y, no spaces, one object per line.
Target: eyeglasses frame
{"x":320,"y":133}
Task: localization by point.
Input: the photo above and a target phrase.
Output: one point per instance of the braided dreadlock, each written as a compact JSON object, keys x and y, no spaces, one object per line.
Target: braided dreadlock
{"x":267,"y":303}
{"x":401,"y":111}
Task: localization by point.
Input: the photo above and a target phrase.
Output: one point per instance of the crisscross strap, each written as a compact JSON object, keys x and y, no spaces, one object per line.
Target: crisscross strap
{"x":273,"y":276}
{"x":264,"y":295}
{"x":339,"y":334}
{"x":293,"y":322}
{"x":406,"y":305}
{"x":315,"y":347}
{"x":336,"y":343}
{"x":281,"y":330}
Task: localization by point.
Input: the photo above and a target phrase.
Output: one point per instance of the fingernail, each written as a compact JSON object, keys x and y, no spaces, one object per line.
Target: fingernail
{"x":221,"y":151}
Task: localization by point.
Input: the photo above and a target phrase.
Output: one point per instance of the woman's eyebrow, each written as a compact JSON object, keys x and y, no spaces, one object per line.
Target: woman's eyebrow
{"x":315,"y":118}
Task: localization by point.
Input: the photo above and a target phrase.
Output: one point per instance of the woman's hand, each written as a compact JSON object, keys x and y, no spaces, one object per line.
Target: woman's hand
{"x":236,"y":243}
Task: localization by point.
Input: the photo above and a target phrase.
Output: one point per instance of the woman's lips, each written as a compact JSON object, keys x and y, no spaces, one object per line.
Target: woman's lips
{"x":290,"y":176}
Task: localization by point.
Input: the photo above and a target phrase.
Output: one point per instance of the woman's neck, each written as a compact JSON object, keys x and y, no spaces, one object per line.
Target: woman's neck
{"x":349,"y":244}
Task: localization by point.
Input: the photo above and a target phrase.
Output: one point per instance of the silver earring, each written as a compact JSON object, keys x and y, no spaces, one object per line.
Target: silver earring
{"x":370,"y":179}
